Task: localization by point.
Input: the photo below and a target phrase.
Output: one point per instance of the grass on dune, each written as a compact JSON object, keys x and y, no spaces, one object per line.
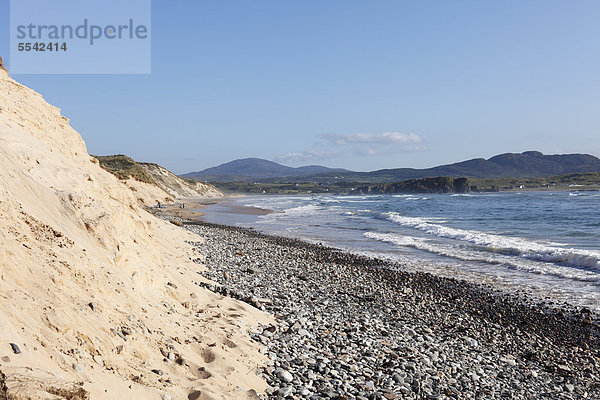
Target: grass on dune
{"x":124,"y":167}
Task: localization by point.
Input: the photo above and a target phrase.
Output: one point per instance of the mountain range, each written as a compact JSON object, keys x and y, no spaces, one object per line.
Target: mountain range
{"x":527,"y":164}
{"x":256,"y":168}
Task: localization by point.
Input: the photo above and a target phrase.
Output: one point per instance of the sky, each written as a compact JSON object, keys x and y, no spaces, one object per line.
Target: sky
{"x":362,"y":85}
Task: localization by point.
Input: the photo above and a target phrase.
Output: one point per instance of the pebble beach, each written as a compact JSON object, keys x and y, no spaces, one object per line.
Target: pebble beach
{"x":353,"y":327}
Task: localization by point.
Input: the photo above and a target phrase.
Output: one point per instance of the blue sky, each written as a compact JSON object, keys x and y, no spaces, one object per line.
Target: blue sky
{"x":355,"y":84}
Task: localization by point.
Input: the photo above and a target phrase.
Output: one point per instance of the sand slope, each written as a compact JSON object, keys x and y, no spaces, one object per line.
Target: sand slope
{"x":178,"y":187}
{"x":72,"y":234}
{"x":153,"y":183}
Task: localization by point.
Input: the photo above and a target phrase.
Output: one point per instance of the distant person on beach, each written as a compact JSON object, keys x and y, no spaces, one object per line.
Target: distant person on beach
{"x":2,"y":65}
{"x":158,"y":204}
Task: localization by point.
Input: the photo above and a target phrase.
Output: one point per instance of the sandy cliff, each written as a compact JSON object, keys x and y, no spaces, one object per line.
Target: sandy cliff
{"x":179,"y":187}
{"x":154,"y":183}
{"x":94,"y":290}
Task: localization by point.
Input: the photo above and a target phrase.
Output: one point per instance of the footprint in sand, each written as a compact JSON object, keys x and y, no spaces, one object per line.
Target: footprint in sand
{"x":199,"y":372}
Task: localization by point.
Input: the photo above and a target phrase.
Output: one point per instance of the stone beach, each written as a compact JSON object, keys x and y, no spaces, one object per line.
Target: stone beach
{"x":352,"y":327}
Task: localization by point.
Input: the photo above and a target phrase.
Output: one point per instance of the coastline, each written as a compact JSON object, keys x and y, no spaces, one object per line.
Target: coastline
{"x":355,"y":326}
{"x":447,"y":235}
{"x":193,"y":206}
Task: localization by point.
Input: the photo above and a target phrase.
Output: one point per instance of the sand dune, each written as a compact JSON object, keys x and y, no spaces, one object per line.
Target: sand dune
{"x":179,"y":187}
{"x":95,"y":291}
{"x":154,"y":183}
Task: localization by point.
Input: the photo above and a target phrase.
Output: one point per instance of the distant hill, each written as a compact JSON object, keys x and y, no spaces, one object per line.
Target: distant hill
{"x":530,"y":164}
{"x":256,"y":168}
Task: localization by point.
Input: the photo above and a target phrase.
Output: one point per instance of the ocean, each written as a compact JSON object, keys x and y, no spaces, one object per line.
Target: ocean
{"x":543,"y":244}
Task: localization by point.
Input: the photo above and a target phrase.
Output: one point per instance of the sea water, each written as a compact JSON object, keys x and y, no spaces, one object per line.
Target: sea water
{"x":546,"y":244}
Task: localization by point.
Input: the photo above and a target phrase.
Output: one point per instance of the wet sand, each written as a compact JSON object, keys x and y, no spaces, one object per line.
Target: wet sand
{"x":193,"y":208}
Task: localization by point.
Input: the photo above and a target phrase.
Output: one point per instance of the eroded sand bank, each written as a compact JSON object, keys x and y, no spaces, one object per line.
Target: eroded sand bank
{"x":97,"y":293}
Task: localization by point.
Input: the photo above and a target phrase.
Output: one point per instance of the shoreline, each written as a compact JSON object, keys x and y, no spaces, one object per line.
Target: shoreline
{"x":320,"y":295}
{"x":538,"y":279}
{"x":193,"y":207}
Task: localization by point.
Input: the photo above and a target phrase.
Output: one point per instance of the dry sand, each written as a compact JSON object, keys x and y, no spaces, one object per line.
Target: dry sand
{"x":93,"y":287}
{"x":178,"y":187}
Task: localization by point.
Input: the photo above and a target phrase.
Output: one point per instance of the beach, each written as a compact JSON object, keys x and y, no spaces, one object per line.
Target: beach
{"x":271,"y":200}
{"x":353,"y":327}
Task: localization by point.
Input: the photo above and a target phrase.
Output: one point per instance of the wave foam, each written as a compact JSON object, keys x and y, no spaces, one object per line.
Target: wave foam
{"x":543,"y":268}
{"x":305,"y":210}
{"x":588,"y":259}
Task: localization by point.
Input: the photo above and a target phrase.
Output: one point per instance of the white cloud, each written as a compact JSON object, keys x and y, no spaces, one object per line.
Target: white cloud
{"x":305,"y":156}
{"x":394,"y":138}
{"x":335,"y":146}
